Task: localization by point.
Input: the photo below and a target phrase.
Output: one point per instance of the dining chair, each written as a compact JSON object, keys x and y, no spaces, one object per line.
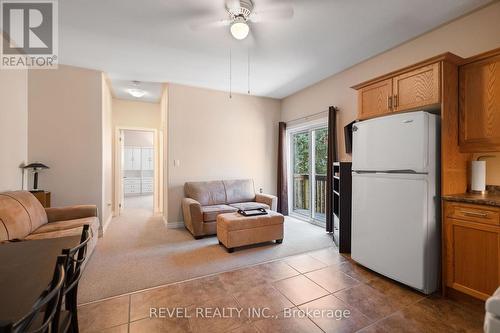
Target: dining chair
{"x":46,"y":312}
{"x":75,"y":259}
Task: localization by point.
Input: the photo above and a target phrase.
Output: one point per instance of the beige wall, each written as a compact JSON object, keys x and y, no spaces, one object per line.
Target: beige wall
{"x":136,"y":114}
{"x":13,"y":127}
{"x":467,"y":36}
{"x":107,"y":152}
{"x":214,"y":137}
{"x":65,"y":132}
{"x":138,"y":138}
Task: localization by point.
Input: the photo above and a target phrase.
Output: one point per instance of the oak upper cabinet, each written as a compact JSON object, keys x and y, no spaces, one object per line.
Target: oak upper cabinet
{"x":471,"y":262}
{"x":375,"y":100}
{"x":479,"y":105}
{"x":417,"y":88}
{"x":412,"y":88}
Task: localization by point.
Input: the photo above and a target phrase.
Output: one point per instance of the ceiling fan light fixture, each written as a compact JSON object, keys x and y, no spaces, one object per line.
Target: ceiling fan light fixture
{"x":239,"y":28}
{"x":137,"y":93}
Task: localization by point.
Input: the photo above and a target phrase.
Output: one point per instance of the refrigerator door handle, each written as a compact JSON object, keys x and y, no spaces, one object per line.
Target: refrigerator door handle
{"x":404,"y":171}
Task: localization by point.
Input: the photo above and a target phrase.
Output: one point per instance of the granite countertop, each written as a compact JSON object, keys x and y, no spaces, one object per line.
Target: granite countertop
{"x":491,"y":198}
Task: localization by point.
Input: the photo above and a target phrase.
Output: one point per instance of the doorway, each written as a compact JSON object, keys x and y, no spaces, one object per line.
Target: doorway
{"x":307,"y":165}
{"x":136,"y":169}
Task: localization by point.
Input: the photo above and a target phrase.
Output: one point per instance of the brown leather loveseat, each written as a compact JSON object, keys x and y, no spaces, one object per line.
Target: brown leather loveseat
{"x":205,"y":200}
{"x":23,"y":217}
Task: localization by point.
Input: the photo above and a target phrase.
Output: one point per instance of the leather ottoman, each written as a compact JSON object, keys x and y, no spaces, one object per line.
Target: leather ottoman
{"x":235,"y":230}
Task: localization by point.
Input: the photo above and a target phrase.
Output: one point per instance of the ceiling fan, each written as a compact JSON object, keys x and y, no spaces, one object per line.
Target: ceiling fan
{"x":241,"y":14}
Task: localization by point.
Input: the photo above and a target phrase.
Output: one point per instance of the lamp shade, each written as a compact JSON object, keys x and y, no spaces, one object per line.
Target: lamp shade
{"x":36,"y":165}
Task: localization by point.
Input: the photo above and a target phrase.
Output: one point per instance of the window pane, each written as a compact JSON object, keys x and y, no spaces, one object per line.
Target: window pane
{"x":320,"y":163}
{"x":321,"y":151}
{"x":301,"y":173}
{"x":301,"y":153}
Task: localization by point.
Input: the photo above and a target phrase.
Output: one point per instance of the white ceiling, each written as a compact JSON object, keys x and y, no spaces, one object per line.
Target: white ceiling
{"x":152,"y":40}
{"x":153,"y":90}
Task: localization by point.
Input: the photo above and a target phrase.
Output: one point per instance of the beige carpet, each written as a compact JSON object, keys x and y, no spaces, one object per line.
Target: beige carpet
{"x":139,"y":252}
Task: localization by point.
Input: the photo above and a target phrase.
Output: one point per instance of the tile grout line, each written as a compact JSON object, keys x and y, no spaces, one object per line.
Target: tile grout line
{"x":391,"y":314}
{"x":129,"y":311}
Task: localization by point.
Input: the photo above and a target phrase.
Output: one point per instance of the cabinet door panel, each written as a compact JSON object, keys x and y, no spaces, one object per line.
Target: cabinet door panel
{"x":472,"y":257}
{"x":418,"y":88}
{"x":127,"y":159}
{"x":480,"y":106}
{"x":136,"y":159}
{"x":147,"y":158}
{"x":374,"y":100}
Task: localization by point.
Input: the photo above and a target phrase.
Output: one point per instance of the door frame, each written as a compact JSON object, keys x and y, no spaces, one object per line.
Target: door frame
{"x":158,"y":169}
{"x":309,"y":126}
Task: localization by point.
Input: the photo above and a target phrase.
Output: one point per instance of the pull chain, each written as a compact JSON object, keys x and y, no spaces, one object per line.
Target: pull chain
{"x":230,"y":75}
{"x":248,"y":71}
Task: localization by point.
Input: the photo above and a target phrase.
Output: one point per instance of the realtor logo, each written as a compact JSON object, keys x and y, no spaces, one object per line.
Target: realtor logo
{"x":30,"y":34}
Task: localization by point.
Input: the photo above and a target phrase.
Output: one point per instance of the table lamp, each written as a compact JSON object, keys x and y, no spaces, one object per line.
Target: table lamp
{"x":37,"y":166}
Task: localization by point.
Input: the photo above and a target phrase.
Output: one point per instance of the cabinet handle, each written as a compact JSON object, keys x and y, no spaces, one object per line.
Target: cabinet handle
{"x":468,"y":213}
{"x":396,"y":100}
{"x":389,"y":102}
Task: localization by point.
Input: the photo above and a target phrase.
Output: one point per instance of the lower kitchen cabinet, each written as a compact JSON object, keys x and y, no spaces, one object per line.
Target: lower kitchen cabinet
{"x":471,"y":249}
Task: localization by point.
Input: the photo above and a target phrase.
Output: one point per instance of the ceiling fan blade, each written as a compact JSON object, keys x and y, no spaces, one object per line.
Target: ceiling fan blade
{"x":210,"y":24}
{"x":232,"y":4}
{"x":281,"y":13}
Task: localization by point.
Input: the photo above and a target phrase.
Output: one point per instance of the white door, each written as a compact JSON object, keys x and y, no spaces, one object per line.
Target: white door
{"x":122,"y":158}
{"x":396,"y":142}
{"x":389,"y":226}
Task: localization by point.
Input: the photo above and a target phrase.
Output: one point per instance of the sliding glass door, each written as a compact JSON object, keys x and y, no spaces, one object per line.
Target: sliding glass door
{"x":308,"y":166}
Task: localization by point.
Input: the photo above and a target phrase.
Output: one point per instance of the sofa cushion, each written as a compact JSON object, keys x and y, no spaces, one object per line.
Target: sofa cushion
{"x":56,"y":234}
{"x":210,"y":212}
{"x":20,"y":214}
{"x":239,"y":190}
{"x":64,"y":225}
{"x":249,"y":205}
{"x":206,"y":193}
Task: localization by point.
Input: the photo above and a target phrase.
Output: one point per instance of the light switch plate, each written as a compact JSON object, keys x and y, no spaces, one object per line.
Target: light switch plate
{"x":177,"y":163}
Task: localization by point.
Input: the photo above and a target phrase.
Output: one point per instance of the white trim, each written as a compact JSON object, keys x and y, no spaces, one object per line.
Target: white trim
{"x":106,"y":224}
{"x":173,"y":225}
{"x":305,"y":126}
{"x":308,"y":124}
{"x":158,"y":168}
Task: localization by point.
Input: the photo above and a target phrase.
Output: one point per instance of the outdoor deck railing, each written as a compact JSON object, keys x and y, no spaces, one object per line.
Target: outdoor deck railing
{"x":301,"y":193}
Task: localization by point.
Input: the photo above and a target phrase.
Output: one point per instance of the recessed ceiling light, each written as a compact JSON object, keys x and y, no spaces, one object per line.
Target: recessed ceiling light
{"x":239,"y":28}
{"x":137,"y":93}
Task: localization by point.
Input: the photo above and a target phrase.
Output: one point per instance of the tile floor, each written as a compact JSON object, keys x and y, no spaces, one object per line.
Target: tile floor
{"x":320,"y":291}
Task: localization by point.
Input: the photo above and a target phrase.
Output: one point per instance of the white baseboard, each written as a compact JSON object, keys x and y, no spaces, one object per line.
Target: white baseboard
{"x":106,"y":223}
{"x":173,"y":225}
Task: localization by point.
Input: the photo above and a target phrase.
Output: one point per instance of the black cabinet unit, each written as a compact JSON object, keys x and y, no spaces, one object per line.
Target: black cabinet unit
{"x":342,"y":193}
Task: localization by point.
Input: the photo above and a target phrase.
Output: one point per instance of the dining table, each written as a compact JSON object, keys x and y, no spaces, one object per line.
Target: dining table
{"x":26,"y":269}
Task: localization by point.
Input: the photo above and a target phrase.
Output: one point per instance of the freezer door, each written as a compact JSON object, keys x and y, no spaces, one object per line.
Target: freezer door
{"x":389,"y":227}
{"x":397,"y":142}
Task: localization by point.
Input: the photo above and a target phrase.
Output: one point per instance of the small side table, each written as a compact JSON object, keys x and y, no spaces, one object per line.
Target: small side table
{"x":43,"y":197}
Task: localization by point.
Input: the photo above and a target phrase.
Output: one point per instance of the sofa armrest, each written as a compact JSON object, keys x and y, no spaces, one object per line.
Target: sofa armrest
{"x":193,"y":216}
{"x":70,"y":212}
{"x":268,"y":199}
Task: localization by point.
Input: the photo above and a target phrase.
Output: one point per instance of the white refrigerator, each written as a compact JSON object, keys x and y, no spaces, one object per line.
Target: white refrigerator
{"x":395,"y":198}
